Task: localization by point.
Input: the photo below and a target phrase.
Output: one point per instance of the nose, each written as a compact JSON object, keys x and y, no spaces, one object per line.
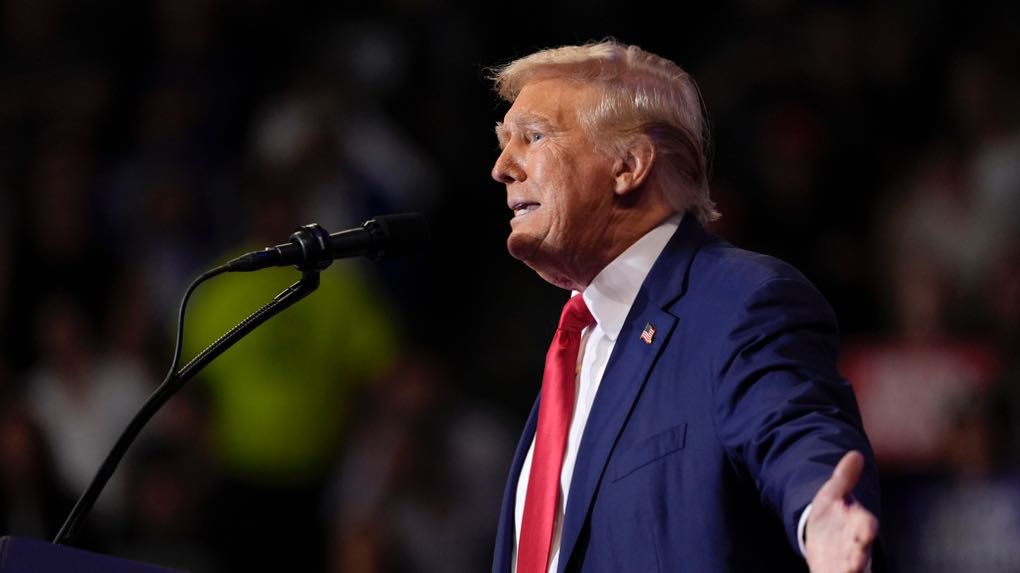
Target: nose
{"x":507,"y":169}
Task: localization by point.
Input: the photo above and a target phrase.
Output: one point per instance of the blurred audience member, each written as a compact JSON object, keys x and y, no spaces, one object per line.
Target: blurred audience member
{"x":1006,"y":305}
{"x":906,"y":380}
{"x":959,"y":205}
{"x":6,"y":248}
{"x":415,"y":490}
{"x":330,"y":142}
{"x":168,"y":483}
{"x":281,"y":398}
{"x":81,"y":400}
{"x":967,"y":516}
{"x":58,"y":251}
{"x":33,"y":501}
{"x":157,"y":215}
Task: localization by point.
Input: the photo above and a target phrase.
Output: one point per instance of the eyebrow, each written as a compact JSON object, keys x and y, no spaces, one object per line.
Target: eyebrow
{"x":524,"y":122}
{"x":501,"y":134}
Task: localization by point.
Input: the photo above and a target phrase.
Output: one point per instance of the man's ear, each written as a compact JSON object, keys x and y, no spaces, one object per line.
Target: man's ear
{"x":633,"y":167}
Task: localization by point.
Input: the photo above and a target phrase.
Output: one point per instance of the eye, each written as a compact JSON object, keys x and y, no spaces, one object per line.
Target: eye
{"x":535,"y":137}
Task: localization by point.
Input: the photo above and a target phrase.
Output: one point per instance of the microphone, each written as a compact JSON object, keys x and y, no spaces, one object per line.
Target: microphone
{"x":312,"y":248}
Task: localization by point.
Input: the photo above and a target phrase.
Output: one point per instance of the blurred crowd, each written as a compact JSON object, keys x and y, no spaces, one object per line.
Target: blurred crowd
{"x":874,"y":145}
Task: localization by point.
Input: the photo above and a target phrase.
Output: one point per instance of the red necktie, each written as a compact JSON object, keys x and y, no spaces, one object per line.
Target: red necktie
{"x":554,"y":413}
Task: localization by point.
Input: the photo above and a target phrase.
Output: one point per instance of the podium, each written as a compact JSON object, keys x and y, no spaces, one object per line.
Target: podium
{"x":25,"y":555}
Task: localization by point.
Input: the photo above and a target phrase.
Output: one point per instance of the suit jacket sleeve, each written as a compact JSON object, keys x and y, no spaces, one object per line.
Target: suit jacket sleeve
{"x":782,"y":412}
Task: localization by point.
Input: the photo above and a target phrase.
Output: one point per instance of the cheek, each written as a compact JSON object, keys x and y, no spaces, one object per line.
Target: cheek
{"x":583,"y":194}
{"x":551,"y":183}
{"x":570,"y":191}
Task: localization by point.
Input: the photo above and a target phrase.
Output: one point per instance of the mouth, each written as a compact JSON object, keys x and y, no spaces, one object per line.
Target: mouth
{"x":521,"y":208}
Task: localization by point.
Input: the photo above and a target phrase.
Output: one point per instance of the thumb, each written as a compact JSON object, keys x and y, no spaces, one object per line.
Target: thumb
{"x":844,"y":478}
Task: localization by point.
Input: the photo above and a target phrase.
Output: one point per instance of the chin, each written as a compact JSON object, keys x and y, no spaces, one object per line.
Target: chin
{"x":522,"y":246}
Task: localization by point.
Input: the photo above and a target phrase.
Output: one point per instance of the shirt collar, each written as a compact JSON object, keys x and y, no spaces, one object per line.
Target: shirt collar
{"x":612,"y":291}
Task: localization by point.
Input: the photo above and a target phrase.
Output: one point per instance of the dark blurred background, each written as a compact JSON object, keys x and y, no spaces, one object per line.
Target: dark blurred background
{"x":875,"y":145}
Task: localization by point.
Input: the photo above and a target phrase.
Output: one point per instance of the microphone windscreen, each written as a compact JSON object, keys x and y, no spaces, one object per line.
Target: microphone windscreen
{"x":401,"y":233}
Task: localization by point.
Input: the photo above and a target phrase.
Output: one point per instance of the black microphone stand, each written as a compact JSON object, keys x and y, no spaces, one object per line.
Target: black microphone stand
{"x":317,"y":257}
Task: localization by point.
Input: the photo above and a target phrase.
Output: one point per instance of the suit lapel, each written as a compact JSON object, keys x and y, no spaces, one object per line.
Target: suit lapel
{"x":505,"y":533}
{"x":621,"y":384}
{"x":626,"y":373}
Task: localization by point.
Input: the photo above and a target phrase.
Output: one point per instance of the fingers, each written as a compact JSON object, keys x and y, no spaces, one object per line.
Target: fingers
{"x":863,"y":529}
{"x":863,"y":526}
{"x":858,"y":561}
{"x":844,"y":477}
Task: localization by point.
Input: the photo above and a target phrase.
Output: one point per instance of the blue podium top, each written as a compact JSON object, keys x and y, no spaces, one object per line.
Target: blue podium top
{"x":26,"y":555}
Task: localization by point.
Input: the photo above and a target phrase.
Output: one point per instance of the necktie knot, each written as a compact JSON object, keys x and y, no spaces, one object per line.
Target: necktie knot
{"x":576,"y":316}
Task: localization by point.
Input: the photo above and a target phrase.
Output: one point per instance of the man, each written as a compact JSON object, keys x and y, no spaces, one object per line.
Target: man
{"x":702,"y":425}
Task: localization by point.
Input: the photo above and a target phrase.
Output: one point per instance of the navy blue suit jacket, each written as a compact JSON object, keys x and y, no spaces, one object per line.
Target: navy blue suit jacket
{"x":703,"y":448}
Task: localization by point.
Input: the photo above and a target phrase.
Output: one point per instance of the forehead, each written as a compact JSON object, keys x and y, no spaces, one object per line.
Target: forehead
{"x":552,"y":101}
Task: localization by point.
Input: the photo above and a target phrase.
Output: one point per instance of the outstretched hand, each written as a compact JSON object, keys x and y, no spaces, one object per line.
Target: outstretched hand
{"x":840,"y":531}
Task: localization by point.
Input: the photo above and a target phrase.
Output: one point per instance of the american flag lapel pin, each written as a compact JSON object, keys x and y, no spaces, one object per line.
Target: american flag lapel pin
{"x":648,"y":333}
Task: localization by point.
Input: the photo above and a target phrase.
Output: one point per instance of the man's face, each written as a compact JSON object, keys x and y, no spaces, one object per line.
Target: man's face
{"x":559,"y":187}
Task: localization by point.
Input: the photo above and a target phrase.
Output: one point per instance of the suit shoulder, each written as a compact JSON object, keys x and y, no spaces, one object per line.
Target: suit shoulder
{"x":720,"y":265}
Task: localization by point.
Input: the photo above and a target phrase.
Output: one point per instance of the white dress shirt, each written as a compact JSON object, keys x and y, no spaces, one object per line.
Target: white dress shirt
{"x":609,"y":298}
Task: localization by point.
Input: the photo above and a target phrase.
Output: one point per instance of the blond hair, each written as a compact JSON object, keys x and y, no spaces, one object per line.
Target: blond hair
{"x":642,"y":94}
